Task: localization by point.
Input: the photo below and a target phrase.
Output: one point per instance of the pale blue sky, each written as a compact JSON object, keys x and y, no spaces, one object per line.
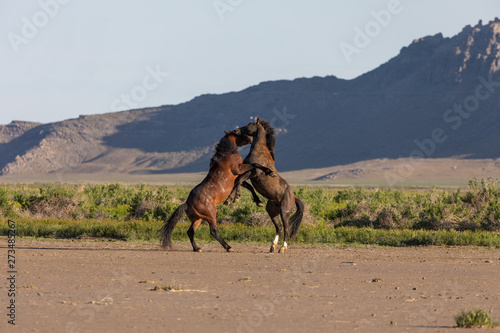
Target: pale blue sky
{"x":85,"y":57}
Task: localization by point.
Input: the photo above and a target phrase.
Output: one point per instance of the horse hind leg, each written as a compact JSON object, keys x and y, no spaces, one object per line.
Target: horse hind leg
{"x":274,"y":214}
{"x":194,"y":225}
{"x":285,"y":217}
{"x":214,"y":232}
{"x":286,"y":207}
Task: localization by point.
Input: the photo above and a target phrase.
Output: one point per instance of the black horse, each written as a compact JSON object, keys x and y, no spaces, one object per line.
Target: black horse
{"x":281,"y":199}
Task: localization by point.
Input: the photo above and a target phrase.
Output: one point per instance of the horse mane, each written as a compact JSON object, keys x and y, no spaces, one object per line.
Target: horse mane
{"x":222,"y":149}
{"x":270,"y":136}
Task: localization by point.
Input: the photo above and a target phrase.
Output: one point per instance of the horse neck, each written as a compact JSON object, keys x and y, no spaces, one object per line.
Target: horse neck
{"x":232,"y":139}
{"x":218,"y":158}
{"x":259,"y":152}
{"x":260,"y":138}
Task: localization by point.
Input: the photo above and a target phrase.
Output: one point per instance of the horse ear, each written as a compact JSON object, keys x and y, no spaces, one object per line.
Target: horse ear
{"x":227,"y":132}
{"x":258,"y":120}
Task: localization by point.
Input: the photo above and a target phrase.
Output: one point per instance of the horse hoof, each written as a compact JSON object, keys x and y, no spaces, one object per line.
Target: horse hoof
{"x":273,"y":247}
{"x":197,"y":250}
{"x":260,"y":204}
{"x":230,"y":250}
{"x":282,"y":250}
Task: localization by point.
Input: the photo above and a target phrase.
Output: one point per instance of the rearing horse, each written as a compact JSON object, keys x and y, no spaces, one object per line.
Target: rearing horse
{"x":281,"y":199}
{"x":225,"y":166}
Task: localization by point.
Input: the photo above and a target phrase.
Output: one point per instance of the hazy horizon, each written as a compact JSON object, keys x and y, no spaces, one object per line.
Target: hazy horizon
{"x":62,"y":58}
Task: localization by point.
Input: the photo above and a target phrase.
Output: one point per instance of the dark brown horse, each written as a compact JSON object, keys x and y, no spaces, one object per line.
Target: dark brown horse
{"x":225,"y":166}
{"x":281,"y":199}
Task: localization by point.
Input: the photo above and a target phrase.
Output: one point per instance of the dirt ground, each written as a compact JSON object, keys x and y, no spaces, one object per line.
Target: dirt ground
{"x":98,"y":286}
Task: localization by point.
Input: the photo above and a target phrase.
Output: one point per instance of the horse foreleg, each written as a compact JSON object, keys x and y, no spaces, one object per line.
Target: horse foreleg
{"x":274,"y":213}
{"x":236,"y":192}
{"x":255,"y":197}
{"x":244,"y":168}
{"x":266,"y":170}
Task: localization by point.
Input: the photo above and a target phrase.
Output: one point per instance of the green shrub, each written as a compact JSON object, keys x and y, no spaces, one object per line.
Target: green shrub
{"x":475,"y":318}
{"x":238,"y":232}
{"x":475,"y":208}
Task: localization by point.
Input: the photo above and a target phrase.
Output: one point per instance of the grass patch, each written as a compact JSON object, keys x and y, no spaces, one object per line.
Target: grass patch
{"x":166,"y":288}
{"x":474,"y":208}
{"x":242,"y":233}
{"x":475,"y":318}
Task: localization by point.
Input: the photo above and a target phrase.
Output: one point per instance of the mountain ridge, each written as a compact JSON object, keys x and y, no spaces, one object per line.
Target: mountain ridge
{"x":321,"y":121}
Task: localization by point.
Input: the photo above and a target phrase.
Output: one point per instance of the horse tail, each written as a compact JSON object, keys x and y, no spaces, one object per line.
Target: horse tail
{"x":296,"y":218}
{"x":168,"y":227}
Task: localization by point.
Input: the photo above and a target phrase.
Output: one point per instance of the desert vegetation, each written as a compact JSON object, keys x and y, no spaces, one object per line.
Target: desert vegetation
{"x":475,"y":318}
{"x":393,"y":217}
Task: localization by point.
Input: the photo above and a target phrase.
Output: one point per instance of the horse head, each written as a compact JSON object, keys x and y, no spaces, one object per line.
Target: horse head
{"x":240,"y":139}
{"x":249,"y":130}
{"x":260,"y":126}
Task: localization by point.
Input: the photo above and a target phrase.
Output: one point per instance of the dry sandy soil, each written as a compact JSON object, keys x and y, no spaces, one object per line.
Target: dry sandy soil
{"x":88,"y":286}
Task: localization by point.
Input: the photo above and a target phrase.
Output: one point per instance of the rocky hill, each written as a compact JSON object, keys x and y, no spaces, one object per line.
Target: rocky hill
{"x":438,"y":98}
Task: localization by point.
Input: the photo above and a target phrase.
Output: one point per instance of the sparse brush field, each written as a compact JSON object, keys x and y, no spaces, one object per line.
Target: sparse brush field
{"x":355,"y":215}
